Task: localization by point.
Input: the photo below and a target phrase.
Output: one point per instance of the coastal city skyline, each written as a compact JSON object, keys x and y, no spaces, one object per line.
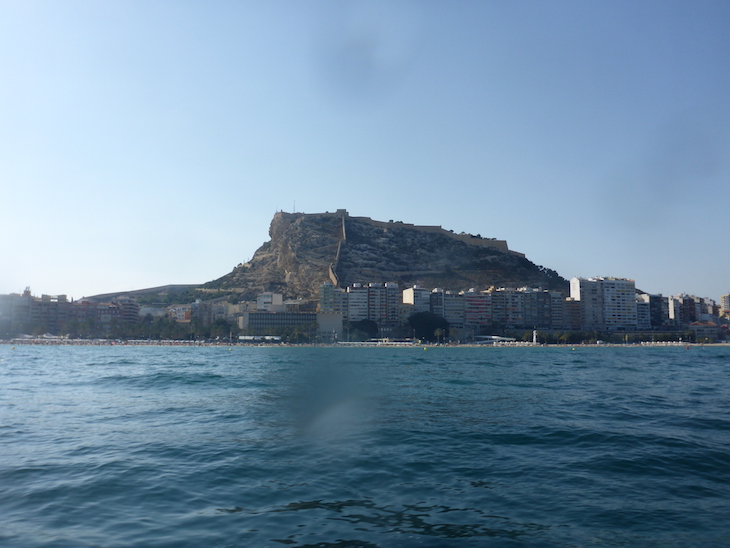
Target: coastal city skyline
{"x":30,"y":290}
{"x":145,"y":145}
{"x":380,"y":311}
{"x":67,"y":296}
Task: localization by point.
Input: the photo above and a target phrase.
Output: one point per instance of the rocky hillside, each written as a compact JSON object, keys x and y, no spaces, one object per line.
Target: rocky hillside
{"x":307,"y":249}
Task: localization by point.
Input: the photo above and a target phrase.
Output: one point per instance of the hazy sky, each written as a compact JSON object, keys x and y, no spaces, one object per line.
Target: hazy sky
{"x":151,"y":142}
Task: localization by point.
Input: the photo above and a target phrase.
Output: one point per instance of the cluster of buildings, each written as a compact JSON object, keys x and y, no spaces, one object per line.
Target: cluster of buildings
{"x":600,"y":304}
{"x":595,"y":304}
{"x":52,"y":313}
{"x":269,"y":314}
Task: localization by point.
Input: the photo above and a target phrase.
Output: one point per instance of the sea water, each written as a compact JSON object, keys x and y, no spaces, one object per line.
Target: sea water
{"x":372,"y":447}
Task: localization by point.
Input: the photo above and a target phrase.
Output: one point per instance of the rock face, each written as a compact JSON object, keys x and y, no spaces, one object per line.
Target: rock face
{"x":306,"y":250}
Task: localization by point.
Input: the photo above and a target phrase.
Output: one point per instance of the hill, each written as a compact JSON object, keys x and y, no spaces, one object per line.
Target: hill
{"x":305,"y":250}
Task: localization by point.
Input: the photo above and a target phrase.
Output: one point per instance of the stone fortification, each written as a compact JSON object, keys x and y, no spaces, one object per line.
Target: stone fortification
{"x":431,"y":229}
{"x":307,"y":249}
{"x":435,"y":229}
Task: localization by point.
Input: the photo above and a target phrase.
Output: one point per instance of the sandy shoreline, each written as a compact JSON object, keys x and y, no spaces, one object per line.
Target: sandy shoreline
{"x":163,"y":343}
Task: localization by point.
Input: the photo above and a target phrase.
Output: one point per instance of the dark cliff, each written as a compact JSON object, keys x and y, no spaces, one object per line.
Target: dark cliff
{"x":305,"y":250}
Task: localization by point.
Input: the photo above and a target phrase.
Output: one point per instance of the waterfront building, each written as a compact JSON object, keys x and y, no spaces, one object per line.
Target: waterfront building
{"x":704,"y":331}
{"x":326,"y":326}
{"x":419,"y":297}
{"x":393,"y":302}
{"x":558,"y":311}
{"x":437,"y":301}
{"x":537,"y":305}
{"x":709,"y":311}
{"x":270,"y":302}
{"x":275,"y":323}
{"x":658,"y":309}
{"x":619,"y":302}
{"x":674,"y":310}
{"x":357,"y":302}
{"x":106,"y":314}
{"x":128,"y":309}
{"x":454,"y":309}
{"x":377,"y":303}
{"x":725,"y":304}
{"x":685,"y":309}
{"x":327,"y":297}
{"x":16,"y":312}
{"x":643,"y":314}
{"x":573,"y":318}
{"x":607,"y":304}
{"x":180,"y":312}
{"x":508,"y":307}
{"x":332,"y":300}
{"x":201,"y":312}
{"x":588,"y":294}
{"x":515,"y":308}
{"x":51,"y":312}
{"x":221,"y":311}
{"x":477,"y":309}
{"x":499,"y":314}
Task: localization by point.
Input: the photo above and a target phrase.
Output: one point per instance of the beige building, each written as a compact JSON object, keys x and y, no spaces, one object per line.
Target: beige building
{"x":606,"y":303}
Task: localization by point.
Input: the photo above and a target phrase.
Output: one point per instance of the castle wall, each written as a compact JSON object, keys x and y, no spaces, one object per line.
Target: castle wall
{"x":501,"y":245}
{"x":433,"y":229}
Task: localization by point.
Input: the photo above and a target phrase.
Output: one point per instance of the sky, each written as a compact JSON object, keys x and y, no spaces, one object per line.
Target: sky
{"x":145,"y":143}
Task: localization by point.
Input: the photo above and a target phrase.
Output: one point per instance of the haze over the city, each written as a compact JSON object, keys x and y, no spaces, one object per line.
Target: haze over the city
{"x":144,"y":144}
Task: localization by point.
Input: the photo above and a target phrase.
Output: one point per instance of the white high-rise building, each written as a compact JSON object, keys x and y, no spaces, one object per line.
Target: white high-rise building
{"x":587,"y":293}
{"x":419,"y":297}
{"x":383,"y":302}
{"x":619,"y":304}
{"x":606,"y":303}
{"x":674,"y":307}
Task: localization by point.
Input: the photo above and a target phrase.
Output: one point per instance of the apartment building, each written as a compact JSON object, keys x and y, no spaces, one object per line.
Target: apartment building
{"x":538,"y":310}
{"x":606,"y":304}
{"x":477,"y":309}
{"x":508,"y":307}
{"x":377,"y":303}
{"x":454,"y":309}
{"x":357,"y":302}
{"x":419,"y":297}
{"x":332,"y":300}
{"x":559,"y":316}
{"x":437,"y":301}
{"x":587,"y":293}
{"x":643,"y":315}
{"x":270,"y":302}
{"x":658,"y":310}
